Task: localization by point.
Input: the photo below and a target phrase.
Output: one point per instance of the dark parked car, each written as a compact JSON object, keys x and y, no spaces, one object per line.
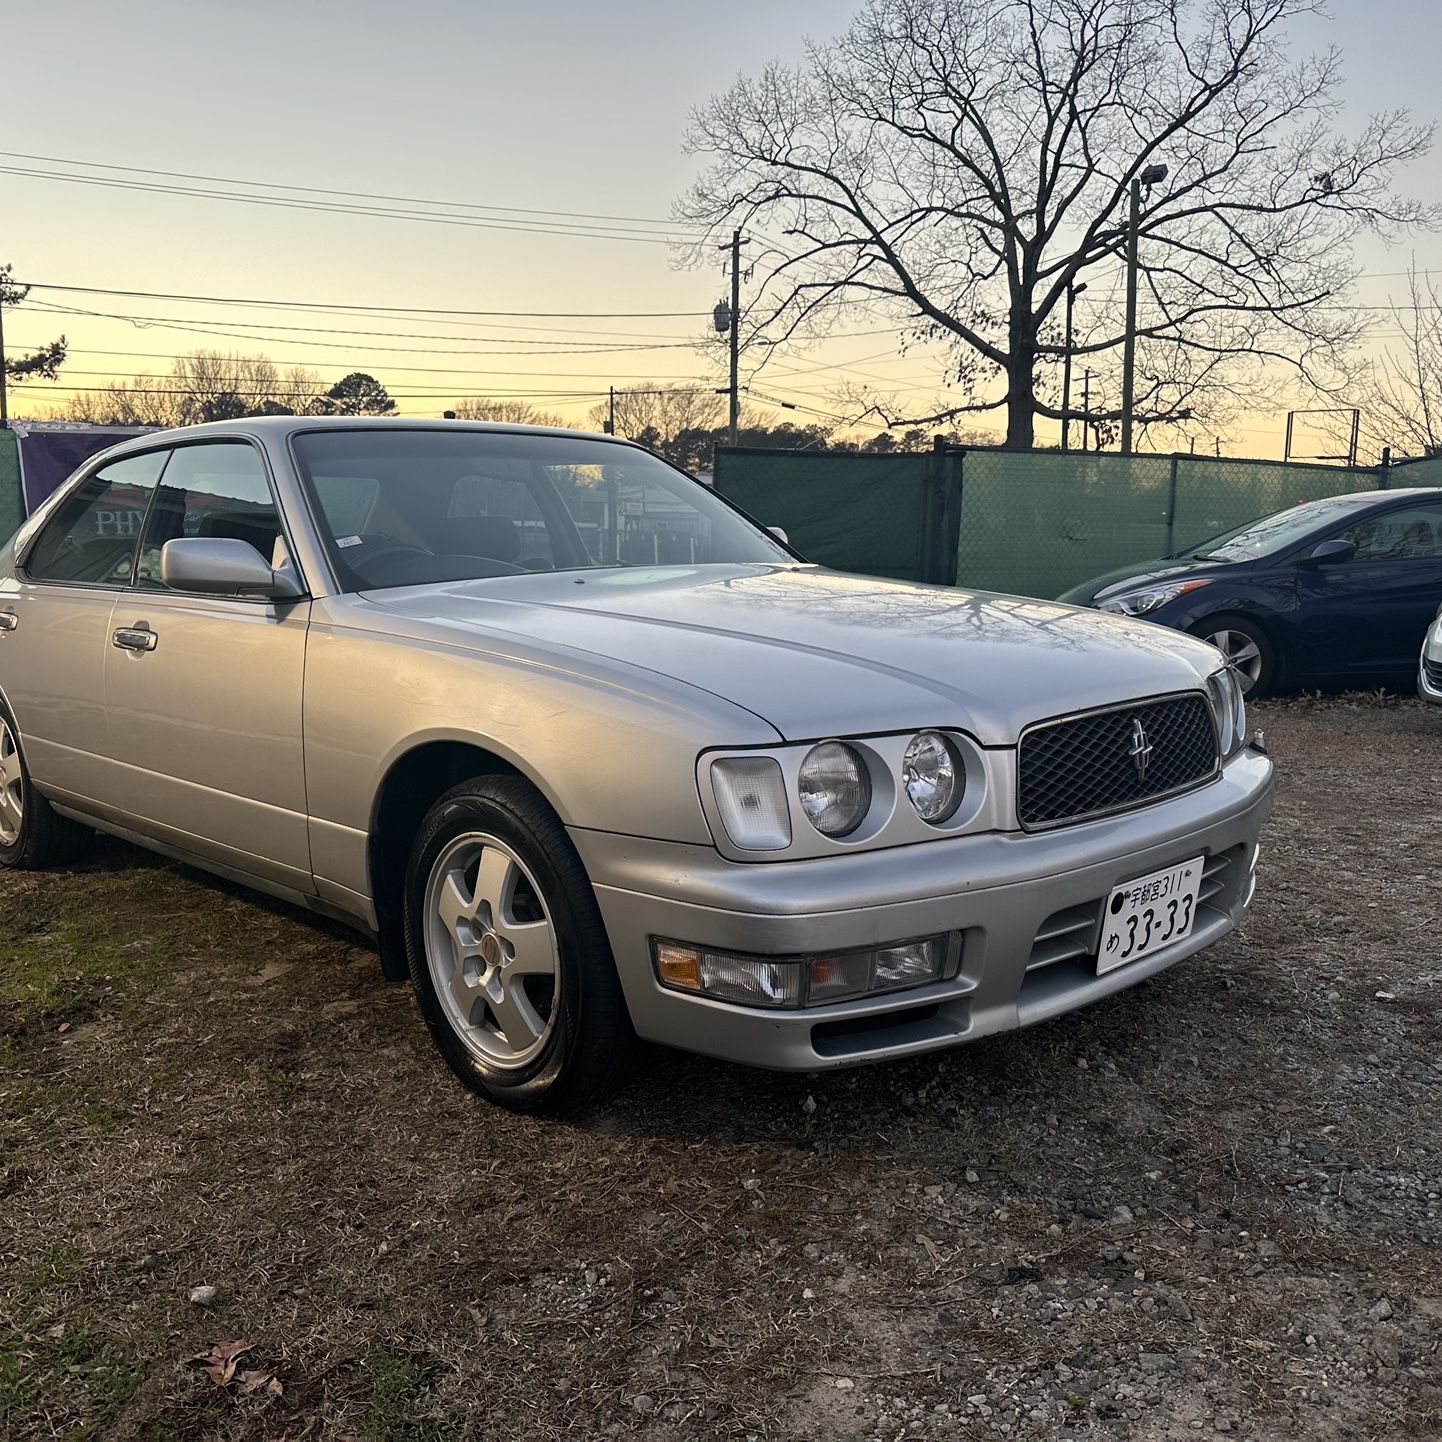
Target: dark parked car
{"x":1337,"y":590}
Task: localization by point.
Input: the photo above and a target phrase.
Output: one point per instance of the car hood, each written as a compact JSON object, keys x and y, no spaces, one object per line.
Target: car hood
{"x":1144,"y":573}
{"x":814,"y":652}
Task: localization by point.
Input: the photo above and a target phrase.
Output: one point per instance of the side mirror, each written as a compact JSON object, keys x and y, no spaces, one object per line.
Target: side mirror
{"x":780,"y":535}
{"x":222,"y":567}
{"x":1329,"y":553}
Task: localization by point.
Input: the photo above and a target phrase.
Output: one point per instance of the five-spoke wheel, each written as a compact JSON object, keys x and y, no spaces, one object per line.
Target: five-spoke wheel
{"x":12,"y":787}
{"x":508,"y":953}
{"x":491,"y":950}
{"x":1246,"y":648}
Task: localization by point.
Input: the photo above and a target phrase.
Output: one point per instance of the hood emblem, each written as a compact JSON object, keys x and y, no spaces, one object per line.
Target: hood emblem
{"x":1141,"y":752}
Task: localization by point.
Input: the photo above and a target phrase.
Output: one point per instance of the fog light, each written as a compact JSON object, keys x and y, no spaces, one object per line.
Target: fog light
{"x":909,"y":964}
{"x":796,"y":981}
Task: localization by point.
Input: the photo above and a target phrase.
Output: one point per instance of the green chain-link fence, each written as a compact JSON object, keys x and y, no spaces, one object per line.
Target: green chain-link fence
{"x":1030,"y":522}
{"x":12,"y":499}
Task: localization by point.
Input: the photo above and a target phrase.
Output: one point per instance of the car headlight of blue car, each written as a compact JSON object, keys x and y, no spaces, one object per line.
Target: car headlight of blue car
{"x":1148,"y":598}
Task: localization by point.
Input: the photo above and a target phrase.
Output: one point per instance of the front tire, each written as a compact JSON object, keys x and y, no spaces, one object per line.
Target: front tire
{"x":33,"y":836}
{"x":508,"y":954}
{"x":1248,"y":651}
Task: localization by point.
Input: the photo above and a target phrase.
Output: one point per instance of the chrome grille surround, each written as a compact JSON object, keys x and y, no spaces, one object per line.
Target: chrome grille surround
{"x":1081,"y":767}
{"x":1433,"y":671}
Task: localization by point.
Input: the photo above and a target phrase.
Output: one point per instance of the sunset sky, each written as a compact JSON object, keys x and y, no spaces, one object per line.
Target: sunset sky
{"x":556,"y":106}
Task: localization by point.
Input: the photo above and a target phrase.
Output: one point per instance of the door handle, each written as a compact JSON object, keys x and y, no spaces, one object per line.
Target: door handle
{"x":135,"y":638}
{"x":8,"y":620}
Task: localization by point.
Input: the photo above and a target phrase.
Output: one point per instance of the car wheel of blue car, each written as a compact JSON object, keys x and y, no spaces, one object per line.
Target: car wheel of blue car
{"x":1247,"y":648}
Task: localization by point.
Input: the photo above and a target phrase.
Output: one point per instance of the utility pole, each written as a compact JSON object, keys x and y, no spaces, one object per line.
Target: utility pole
{"x":733,"y":427}
{"x":4,"y":399}
{"x":1152,"y":175}
{"x":611,"y":423}
{"x":1072,"y":291}
{"x":1086,"y":408}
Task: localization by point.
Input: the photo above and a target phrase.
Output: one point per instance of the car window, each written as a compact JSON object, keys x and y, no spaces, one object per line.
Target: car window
{"x":406,"y":507}
{"x":1397,"y":535}
{"x":1269,"y":535}
{"x":91,"y":538}
{"x":219,"y":491}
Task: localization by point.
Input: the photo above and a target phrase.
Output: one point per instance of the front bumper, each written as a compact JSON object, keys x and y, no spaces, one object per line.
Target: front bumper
{"x":996,"y":890}
{"x":1429,"y":671}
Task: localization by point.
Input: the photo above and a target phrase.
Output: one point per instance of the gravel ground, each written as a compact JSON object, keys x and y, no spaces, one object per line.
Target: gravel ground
{"x":1209,"y":1205}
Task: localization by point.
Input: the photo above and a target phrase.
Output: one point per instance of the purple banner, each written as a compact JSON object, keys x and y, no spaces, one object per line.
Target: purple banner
{"x":48,"y":456}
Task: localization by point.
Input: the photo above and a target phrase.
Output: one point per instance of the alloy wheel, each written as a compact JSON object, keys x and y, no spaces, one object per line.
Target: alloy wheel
{"x":491,"y":950}
{"x":1242,"y":655}
{"x":12,"y":787}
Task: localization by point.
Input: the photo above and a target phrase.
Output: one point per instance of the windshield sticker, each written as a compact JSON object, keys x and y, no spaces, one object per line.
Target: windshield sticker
{"x":349,"y":541}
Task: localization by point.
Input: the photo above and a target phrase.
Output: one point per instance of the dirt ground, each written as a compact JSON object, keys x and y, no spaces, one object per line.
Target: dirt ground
{"x":1208,"y":1205}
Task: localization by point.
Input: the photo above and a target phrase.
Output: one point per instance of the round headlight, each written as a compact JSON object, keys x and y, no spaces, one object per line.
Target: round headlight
{"x":933,"y":777}
{"x":835,"y":788}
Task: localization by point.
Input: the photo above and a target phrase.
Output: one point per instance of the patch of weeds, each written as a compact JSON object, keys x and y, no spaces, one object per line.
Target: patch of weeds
{"x":55,"y":1373}
{"x":74,"y":954}
{"x":391,"y":1413}
{"x":37,"y":1106}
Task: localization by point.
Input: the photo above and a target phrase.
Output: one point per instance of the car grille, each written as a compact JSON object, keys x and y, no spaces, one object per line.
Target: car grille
{"x":1086,"y":766}
{"x":1433,"y":671}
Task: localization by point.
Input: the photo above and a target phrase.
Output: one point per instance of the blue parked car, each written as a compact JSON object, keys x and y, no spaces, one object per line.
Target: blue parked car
{"x":1337,"y":590}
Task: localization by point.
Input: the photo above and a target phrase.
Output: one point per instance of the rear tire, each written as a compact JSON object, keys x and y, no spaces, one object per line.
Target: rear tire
{"x":1248,"y":650}
{"x":33,"y":835}
{"x":508,"y":954}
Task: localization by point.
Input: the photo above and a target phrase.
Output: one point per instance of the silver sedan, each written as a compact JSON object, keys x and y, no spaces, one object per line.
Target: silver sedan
{"x":595,"y":758}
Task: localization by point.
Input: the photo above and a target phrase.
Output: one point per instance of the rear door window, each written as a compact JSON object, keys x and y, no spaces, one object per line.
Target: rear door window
{"x":91,"y":538}
{"x":1411,"y":534}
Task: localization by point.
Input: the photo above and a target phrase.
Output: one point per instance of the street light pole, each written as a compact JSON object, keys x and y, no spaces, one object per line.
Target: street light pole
{"x":1072,"y":291}
{"x":1152,"y":175}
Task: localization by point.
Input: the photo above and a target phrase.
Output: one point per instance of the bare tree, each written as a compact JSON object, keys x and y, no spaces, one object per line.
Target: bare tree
{"x":506,"y":412}
{"x":1401,"y":399}
{"x":656,"y":413}
{"x":957,"y":165}
{"x":202,"y":386}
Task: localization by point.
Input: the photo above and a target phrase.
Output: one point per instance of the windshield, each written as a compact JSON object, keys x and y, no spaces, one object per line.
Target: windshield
{"x":407,"y":508}
{"x":1278,"y":531}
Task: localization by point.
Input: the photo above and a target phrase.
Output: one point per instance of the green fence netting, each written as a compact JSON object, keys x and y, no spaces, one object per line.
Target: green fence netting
{"x":1034,"y":523}
{"x":874,"y":514}
{"x":12,"y":499}
{"x":1215,"y":496}
{"x":1417,"y":473}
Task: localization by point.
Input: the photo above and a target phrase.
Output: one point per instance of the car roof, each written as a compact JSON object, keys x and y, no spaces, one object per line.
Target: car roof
{"x":275,"y":429}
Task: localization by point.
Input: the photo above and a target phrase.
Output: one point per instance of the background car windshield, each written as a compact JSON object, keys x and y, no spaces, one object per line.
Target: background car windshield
{"x":404,"y":508}
{"x":1276,"y":532}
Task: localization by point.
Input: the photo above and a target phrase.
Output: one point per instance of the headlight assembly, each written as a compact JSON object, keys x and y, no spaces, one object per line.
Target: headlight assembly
{"x":1230,"y":708}
{"x":932,"y":776}
{"x":835,"y":788}
{"x":1149,"y":598}
{"x":751,"y":797}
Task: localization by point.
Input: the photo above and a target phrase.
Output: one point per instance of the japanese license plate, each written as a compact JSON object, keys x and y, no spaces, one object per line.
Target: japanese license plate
{"x":1149,"y":913}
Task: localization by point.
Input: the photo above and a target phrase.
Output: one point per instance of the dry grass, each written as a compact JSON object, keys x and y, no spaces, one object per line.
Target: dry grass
{"x":201,"y":1088}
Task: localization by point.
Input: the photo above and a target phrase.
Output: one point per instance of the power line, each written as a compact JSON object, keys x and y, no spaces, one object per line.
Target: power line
{"x":325,"y":208}
{"x":354,"y":194}
{"x":386,"y":309}
{"x":337,"y":330}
